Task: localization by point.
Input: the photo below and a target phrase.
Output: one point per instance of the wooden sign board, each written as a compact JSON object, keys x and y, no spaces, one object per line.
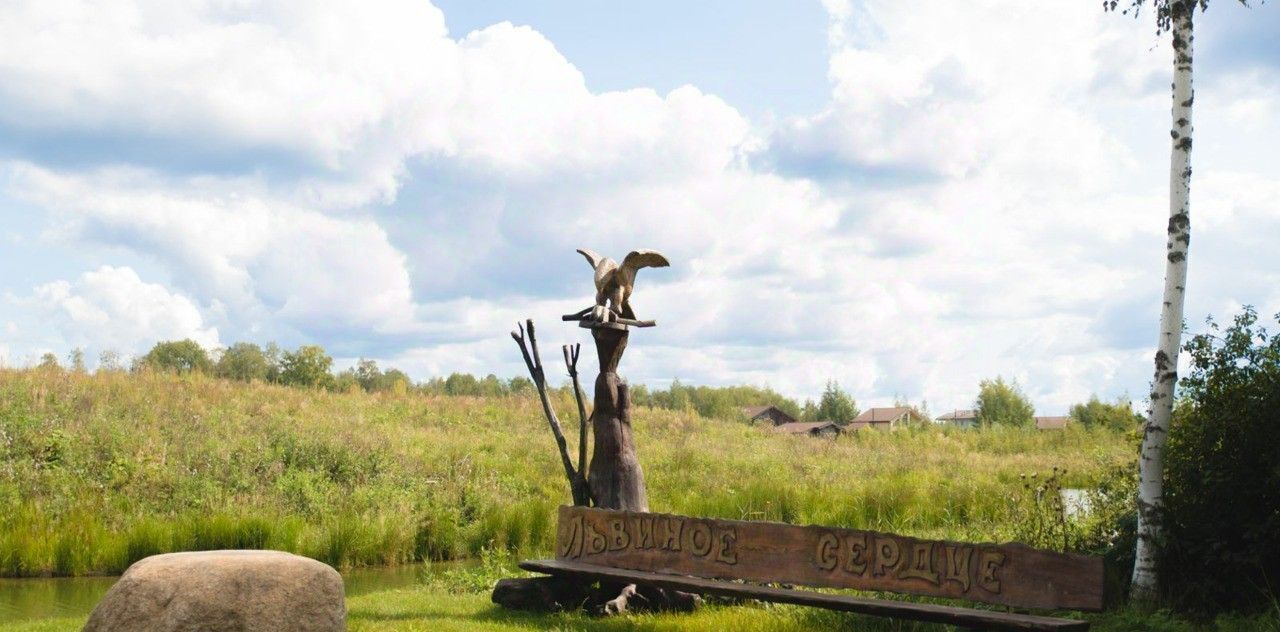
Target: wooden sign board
{"x":1010,"y":574}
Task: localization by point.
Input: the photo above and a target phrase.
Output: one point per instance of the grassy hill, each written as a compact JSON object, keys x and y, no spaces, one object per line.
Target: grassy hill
{"x":105,"y":469}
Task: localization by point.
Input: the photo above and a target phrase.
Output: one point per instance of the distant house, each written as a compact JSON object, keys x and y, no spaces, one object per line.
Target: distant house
{"x":772,"y":414}
{"x":1052,"y":423}
{"x":961,"y":418}
{"x":885,"y":418}
{"x":813,"y":429}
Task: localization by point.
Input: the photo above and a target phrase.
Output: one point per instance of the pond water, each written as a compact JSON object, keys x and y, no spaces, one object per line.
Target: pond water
{"x":43,"y":598}
{"x":1075,"y":502}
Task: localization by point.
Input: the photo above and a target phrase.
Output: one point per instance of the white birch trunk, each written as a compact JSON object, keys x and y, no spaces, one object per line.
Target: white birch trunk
{"x":1156,"y":430}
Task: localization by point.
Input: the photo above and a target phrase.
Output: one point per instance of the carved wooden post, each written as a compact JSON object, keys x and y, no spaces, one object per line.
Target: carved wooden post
{"x":615,"y":479}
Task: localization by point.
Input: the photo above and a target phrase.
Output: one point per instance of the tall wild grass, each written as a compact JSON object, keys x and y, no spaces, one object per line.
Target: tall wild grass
{"x":98,"y":471}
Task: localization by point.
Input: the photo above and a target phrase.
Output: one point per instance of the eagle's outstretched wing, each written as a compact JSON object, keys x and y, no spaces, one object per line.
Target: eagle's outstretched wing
{"x":644,"y":259}
{"x":592,"y":258}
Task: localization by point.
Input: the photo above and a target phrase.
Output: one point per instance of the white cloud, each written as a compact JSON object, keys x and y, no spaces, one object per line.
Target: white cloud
{"x":339,"y":88}
{"x":980,"y":197}
{"x":236,"y":248}
{"x":341,"y":93}
{"x":1002,"y":171}
{"x":500,"y":103}
{"x":950,"y":89}
{"x":112,"y":308}
{"x":526,"y":112}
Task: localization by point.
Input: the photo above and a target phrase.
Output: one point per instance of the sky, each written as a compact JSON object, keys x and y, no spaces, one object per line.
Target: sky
{"x":904,"y":197}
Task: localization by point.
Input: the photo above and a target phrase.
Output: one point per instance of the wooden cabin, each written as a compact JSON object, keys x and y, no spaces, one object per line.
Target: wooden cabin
{"x":960,"y":418}
{"x":772,"y":414}
{"x":885,"y":418}
{"x":813,"y":429}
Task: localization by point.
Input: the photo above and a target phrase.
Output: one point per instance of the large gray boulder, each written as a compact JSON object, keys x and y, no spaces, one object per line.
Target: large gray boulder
{"x":208,"y":591}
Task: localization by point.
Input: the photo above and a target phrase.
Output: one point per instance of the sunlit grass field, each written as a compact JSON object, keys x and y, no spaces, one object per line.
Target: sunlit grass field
{"x":98,"y":471}
{"x":426,"y":610}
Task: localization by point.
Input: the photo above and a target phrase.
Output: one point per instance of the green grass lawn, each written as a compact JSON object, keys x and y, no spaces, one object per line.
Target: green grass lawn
{"x":428,"y":609}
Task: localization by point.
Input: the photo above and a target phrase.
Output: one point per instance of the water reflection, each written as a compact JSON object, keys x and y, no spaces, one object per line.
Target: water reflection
{"x":1076,"y":502}
{"x":23,"y":599}
{"x":45,"y":598}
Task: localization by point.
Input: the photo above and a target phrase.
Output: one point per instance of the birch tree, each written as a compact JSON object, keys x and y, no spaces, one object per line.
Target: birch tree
{"x":1175,"y":17}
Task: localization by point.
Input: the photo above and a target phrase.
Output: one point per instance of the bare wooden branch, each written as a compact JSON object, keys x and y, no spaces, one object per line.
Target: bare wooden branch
{"x":578,"y":315}
{"x":585,"y":316}
{"x":571,"y":360}
{"x":524,"y":351}
{"x":533,"y":361}
{"x":533,"y":344}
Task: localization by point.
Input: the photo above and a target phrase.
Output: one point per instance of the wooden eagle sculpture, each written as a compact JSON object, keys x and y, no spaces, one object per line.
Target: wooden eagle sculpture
{"x":614,"y":282}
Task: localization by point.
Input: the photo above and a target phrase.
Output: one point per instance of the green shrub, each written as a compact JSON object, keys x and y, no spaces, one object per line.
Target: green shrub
{"x":495,"y":564}
{"x":1222,"y":476}
{"x":177,"y":356}
{"x":1003,"y":403}
{"x":1118,"y":416}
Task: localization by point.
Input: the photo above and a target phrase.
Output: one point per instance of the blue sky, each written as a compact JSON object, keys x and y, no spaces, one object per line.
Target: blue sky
{"x":763,"y":57}
{"x":906,"y":197}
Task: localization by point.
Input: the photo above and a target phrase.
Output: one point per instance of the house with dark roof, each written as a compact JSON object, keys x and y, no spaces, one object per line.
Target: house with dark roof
{"x":961,"y":418}
{"x":813,"y":429}
{"x":1052,"y":423}
{"x":885,"y":418}
{"x":772,"y":414}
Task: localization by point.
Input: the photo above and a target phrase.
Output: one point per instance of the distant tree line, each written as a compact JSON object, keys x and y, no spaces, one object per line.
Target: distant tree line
{"x":308,"y":366}
{"x":725,"y":402}
{"x":999,"y":402}
{"x":465,"y":384}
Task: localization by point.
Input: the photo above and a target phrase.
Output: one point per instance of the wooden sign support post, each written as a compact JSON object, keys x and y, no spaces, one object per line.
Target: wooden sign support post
{"x":615,"y":479}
